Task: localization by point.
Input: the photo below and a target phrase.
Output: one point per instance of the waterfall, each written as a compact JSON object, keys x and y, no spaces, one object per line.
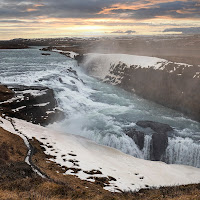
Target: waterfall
{"x":147,"y":145}
{"x":183,"y":151}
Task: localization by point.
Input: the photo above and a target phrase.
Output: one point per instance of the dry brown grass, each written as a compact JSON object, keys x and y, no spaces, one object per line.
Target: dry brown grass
{"x":32,"y":187}
{"x":5,"y":93}
{"x":12,"y":148}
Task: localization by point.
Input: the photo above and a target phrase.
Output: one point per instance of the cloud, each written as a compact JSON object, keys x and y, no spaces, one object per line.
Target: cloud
{"x":129,"y":32}
{"x":189,"y":30}
{"x":72,"y":15}
{"x":155,"y":9}
{"x":124,"y":32}
{"x":136,"y":9}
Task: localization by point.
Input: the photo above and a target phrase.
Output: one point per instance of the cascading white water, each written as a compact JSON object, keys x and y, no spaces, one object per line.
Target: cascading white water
{"x":147,"y":146}
{"x":99,"y":111}
{"x":183,"y":150}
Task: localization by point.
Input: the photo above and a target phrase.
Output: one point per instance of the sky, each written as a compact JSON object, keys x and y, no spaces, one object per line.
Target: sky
{"x":60,"y":18}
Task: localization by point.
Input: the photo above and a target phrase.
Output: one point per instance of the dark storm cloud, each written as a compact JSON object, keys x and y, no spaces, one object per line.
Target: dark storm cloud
{"x":176,"y":9}
{"x":52,"y":8}
{"x":90,"y":9}
{"x":190,"y":30}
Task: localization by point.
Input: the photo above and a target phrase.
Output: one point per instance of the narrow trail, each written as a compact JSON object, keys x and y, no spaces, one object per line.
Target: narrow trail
{"x":30,"y":152}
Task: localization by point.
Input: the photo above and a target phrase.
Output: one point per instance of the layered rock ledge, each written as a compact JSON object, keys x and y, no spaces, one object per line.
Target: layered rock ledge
{"x":34,"y":104}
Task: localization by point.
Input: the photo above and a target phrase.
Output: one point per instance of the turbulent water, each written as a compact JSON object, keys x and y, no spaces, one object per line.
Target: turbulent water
{"x":99,"y":111}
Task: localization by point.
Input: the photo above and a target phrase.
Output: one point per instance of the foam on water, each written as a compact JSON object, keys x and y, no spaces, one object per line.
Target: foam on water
{"x":99,"y":111}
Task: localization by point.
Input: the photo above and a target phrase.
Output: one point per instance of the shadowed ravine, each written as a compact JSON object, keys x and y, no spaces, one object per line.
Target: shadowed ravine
{"x":99,"y":111}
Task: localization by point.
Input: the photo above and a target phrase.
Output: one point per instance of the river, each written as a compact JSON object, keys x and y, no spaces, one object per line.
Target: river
{"x":99,"y":111}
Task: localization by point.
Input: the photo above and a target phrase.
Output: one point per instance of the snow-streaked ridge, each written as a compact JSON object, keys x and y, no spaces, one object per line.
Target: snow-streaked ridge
{"x":103,"y":62}
{"x":99,"y":64}
{"x":130,"y":173}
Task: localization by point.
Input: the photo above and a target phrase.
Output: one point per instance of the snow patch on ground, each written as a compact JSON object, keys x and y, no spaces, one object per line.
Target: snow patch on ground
{"x":76,"y":152}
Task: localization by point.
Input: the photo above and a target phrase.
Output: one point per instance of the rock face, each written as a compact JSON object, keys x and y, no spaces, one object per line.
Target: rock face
{"x":34,"y":104}
{"x":79,"y":58}
{"x":171,"y":84}
{"x":174,"y":85}
{"x":159,"y":140}
{"x":137,"y":136}
{"x":155,"y":126}
{"x":158,"y":146}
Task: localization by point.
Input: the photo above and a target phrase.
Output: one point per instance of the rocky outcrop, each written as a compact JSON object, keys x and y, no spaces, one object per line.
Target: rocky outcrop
{"x":45,"y":54}
{"x":159,"y":145}
{"x":171,"y":84}
{"x":137,"y":136}
{"x":34,"y":104}
{"x":159,"y":140}
{"x":155,"y":126}
{"x":79,"y":58}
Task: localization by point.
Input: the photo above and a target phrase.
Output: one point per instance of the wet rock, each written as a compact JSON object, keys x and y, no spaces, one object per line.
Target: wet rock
{"x":159,"y":145}
{"x":137,"y":136}
{"x":79,"y":58}
{"x":45,"y":54}
{"x":159,"y":140}
{"x":34,"y":104}
{"x":155,"y":126}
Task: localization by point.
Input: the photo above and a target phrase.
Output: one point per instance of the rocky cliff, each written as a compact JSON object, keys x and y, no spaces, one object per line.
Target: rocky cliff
{"x":34,"y":104}
{"x":174,"y":85}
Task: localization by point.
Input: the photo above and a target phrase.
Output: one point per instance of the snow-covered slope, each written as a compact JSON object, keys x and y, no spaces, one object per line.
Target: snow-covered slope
{"x":99,"y":65}
{"x":130,"y":173}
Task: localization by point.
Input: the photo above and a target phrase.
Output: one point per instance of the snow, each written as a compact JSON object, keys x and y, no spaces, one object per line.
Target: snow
{"x":17,"y":109}
{"x":19,"y":97}
{"x":34,"y":93}
{"x":99,"y":65}
{"x":130,"y":173}
{"x":103,"y":62}
{"x":71,"y":54}
{"x":41,"y":104}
